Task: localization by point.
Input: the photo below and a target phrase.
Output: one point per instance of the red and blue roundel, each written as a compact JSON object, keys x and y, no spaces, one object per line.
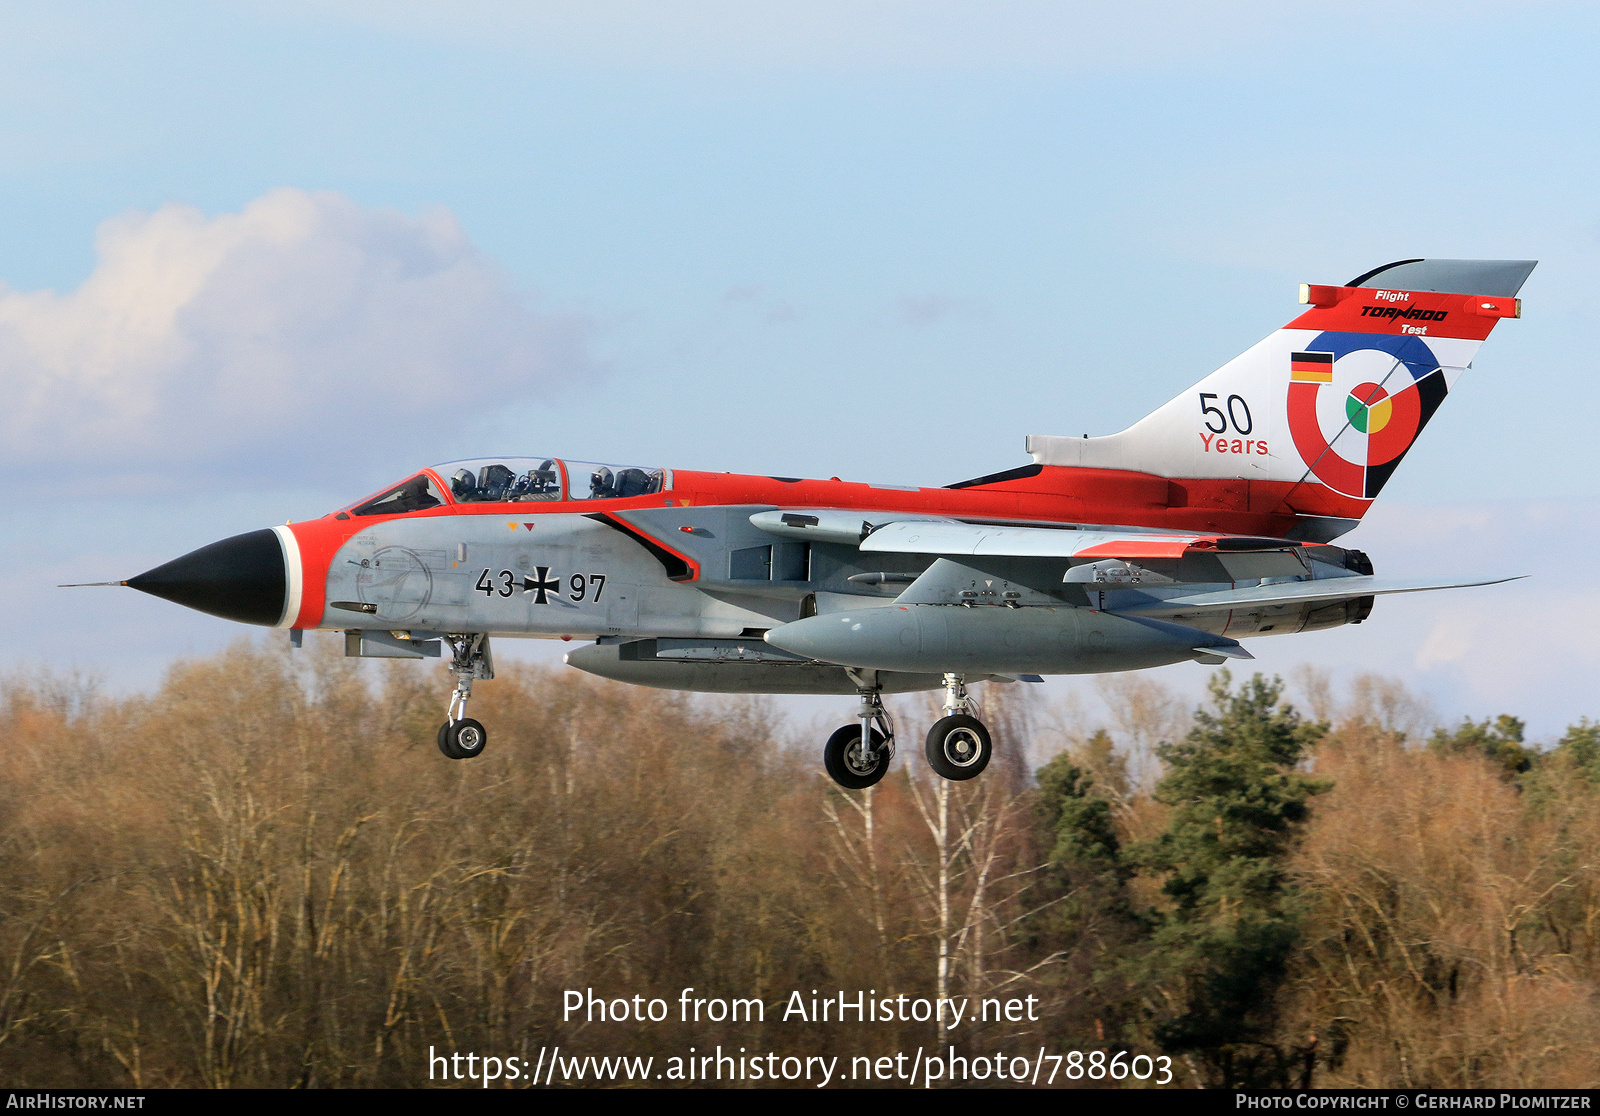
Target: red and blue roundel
{"x":1357,"y":401}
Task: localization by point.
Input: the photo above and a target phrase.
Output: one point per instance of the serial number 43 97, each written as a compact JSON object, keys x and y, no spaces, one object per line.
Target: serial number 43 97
{"x":542,"y":584}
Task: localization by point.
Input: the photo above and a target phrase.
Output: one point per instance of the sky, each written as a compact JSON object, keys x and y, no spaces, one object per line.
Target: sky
{"x":257,"y":260}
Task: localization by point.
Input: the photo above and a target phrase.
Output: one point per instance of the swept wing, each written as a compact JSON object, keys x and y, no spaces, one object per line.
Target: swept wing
{"x":1300,"y":592}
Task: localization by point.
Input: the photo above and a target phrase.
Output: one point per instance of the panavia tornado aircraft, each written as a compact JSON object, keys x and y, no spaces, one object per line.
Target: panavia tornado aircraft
{"x":1208,"y":521}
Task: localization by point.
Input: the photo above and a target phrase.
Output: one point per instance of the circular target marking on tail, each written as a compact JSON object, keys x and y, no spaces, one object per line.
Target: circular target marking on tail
{"x":1389,"y":389}
{"x":1369,"y":408}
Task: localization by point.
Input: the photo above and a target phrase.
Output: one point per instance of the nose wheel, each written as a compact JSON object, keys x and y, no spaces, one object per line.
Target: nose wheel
{"x":461,"y":737}
{"x":958,"y":743}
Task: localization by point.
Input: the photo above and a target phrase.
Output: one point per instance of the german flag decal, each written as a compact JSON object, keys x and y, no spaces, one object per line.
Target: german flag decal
{"x":1311,"y":368}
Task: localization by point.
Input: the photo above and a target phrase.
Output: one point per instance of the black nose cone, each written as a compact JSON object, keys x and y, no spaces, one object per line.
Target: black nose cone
{"x":243,"y":578}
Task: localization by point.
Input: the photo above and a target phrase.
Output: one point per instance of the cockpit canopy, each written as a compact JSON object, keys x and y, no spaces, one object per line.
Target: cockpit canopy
{"x":518,"y":479}
{"x":502,"y":480}
{"x":514,"y":480}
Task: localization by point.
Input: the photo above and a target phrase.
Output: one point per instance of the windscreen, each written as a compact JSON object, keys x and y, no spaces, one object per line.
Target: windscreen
{"x":416,"y":494}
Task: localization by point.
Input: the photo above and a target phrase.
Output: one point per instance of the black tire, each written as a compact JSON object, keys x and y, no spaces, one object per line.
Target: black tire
{"x":444,"y":741}
{"x":958,"y":747}
{"x":463,"y":739}
{"x":837,"y":753}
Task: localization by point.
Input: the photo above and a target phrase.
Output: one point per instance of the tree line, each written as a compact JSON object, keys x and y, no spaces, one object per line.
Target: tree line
{"x":263,"y":873}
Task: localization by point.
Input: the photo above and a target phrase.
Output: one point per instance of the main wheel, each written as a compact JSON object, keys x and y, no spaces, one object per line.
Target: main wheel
{"x":841,"y":755}
{"x":958,"y":747}
{"x":463,"y":739}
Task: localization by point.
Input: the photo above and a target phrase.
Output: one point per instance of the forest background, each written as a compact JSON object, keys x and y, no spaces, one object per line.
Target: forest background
{"x":263,"y":873}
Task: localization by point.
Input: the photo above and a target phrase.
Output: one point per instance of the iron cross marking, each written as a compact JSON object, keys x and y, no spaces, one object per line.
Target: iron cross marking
{"x":544,"y":585}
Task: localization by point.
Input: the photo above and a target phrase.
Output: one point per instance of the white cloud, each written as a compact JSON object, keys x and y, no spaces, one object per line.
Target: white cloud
{"x":304,"y":319}
{"x":1452,"y":639}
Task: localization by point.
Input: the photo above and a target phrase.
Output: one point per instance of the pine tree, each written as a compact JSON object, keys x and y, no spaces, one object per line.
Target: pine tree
{"x":1501,"y":742}
{"x":1085,"y":839}
{"x":1581,"y":748}
{"x":1085,"y":921}
{"x":1220,"y":954}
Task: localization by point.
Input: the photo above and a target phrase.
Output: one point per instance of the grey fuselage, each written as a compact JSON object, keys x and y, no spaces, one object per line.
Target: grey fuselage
{"x":683,"y":598}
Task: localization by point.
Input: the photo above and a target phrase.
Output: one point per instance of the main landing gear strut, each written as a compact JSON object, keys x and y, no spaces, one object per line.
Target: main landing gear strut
{"x":460,"y":737}
{"x":958,"y":744}
{"x":857,"y":756}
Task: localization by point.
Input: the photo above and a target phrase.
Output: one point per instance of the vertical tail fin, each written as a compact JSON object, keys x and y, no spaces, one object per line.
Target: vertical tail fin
{"x":1318,"y":416}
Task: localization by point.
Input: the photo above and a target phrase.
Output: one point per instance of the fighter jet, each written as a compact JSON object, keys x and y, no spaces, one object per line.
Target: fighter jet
{"x":1210,"y":521}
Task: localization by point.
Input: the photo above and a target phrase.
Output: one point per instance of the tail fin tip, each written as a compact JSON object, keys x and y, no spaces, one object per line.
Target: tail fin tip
{"x":1494,"y":278}
{"x":1322,"y":410}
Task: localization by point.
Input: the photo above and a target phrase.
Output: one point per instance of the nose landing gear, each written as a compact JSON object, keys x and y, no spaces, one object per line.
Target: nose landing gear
{"x":460,"y":737}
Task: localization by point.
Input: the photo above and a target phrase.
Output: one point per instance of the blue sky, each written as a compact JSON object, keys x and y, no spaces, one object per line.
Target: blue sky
{"x":883,"y":242}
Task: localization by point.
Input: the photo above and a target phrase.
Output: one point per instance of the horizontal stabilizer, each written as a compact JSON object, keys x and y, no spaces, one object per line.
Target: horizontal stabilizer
{"x":1234,"y":652}
{"x":1207,"y":648}
{"x":1296,"y":592}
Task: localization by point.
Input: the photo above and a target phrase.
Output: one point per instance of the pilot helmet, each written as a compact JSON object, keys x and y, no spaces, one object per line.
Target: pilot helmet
{"x":461,"y":483}
{"x":600,"y":484}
